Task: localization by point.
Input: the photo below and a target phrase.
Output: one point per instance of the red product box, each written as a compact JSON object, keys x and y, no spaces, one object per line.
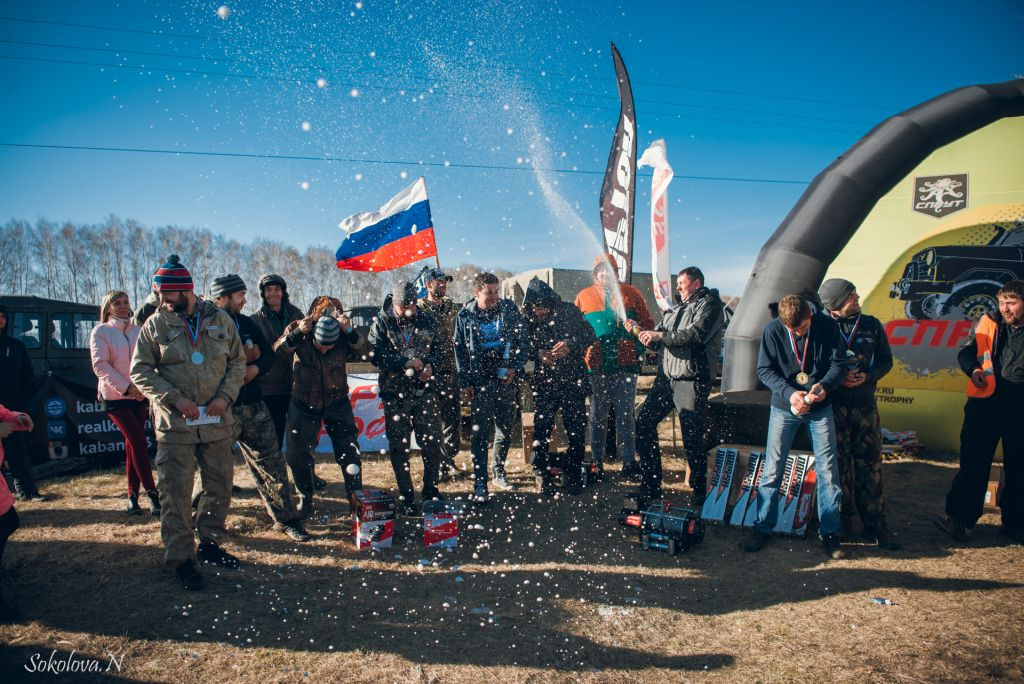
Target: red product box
{"x":441,"y":524}
{"x":373,"y":518}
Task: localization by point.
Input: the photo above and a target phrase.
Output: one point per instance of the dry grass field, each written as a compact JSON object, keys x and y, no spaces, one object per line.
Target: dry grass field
{"x":539,"y":590}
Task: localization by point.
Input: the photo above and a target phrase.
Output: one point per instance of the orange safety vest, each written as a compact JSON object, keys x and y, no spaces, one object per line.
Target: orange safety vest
{"x":985,"y":337}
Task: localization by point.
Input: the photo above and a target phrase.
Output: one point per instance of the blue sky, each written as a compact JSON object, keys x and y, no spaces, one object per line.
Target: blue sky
{"x":742,"y":90}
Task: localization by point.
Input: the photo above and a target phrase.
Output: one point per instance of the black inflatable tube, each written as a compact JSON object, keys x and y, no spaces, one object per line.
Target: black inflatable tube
{"x":799,"y":252}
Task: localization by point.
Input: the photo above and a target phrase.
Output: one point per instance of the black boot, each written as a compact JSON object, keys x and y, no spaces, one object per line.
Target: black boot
{"x":209,"y":552}
{"x":154,"y":503}
{"x":133,"y":505}
{"x":188,"y":574}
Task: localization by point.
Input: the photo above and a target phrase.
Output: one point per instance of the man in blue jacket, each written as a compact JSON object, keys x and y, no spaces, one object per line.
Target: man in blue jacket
{"x":799,"y":362}
{"x":491,"y":347}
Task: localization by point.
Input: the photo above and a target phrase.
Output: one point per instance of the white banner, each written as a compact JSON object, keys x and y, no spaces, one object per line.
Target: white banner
{"x":363,"y":392}
{"x":661,"y":275}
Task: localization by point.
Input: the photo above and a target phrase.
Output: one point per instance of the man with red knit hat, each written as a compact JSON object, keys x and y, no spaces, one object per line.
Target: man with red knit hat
{"x":190,"y":365}
{"x":613,"y":362}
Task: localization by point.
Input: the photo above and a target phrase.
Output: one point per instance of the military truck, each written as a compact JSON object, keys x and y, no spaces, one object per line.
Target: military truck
{"x":961,"y":280}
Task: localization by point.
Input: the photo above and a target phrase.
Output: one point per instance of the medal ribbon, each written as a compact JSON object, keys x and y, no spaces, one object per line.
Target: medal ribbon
{"x":848,"y":339}
{"x":807,"y":345}
{"x":193,"y":335}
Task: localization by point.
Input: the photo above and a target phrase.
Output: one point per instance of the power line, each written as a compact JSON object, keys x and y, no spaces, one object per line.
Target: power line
{"x":581,"y":75}
{"x":561,"y":105}
{"x":391,"y":162}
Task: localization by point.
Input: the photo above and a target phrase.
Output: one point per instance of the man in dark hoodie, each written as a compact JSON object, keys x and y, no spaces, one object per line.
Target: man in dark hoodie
{"x":406,"y":350}
{"x":858,"y":428}
{"x":491,"y":346}
{"x":689,"y":337}
{"x":558,"y":337}
{"x":799,"y":362}
{"x":15,"y":391}
{"x":257,"y":437}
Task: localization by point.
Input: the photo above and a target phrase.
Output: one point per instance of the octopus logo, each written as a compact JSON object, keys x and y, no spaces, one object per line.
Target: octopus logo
{"x":939,"y":196}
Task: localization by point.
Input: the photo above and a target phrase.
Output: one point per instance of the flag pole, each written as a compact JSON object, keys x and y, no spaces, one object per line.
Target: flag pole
{"x":437,"y":260}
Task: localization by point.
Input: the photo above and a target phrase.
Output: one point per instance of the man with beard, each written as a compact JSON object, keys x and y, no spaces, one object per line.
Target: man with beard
{"x":858,"y":428}
{"x":689,"y":337}
{"x":993,"y":359}
{"x":446,"y":379}
{"x":558,"y":336}
{"x":189,"y":364}
{"x":256,"y":435}
{"x":491,"y":346}
{"x":406,"y":350}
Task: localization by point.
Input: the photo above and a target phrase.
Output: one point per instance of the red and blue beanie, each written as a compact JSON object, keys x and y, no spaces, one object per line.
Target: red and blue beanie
{"x":172,"y":276}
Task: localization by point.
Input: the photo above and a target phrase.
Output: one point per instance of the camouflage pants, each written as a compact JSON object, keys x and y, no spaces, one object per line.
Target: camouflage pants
{"x":175,"y":469}
{"x":257,"y":438}
{"x":859,"y":442}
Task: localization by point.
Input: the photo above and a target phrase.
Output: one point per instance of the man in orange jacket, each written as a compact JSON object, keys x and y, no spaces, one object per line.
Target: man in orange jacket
{"x":993,"y":359}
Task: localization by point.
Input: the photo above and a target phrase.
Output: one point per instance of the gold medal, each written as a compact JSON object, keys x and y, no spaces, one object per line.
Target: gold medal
{"x":802,"y":378}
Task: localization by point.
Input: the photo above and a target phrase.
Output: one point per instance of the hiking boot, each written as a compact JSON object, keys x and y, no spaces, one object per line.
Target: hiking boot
{"x":630,"y":472}
{"x":480,"y":496}
{"x":431,"y":495}
{"x":407,"y":508}
{"x":211,"y":553}
{"x":319,"y":482}
{"x":451,"y":472}
{"x":293,"y":529}
{"x":953,"y":527}
{"x":755,"y":541}
{"x":154,"y":504}
{"x":188,"y":574}
{"x":830,"y":542}
{"x":500,"y":482}
{"x":133,"y":505}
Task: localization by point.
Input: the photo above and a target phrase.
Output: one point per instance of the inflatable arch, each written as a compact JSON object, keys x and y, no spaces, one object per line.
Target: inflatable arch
{"x":925,"y":214}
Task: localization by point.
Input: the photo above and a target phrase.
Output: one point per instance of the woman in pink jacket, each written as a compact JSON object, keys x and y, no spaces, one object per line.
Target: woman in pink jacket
{"x":112,"y":344}
{"x":10,"y":421}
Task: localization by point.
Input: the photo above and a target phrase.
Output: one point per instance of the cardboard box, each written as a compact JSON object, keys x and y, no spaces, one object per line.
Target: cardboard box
{"x":373,"y":519}
{"x":441,"y":523}
{"x":995,"y":485}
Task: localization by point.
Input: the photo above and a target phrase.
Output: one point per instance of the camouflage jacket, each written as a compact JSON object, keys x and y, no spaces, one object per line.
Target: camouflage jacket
{"x":445,"y":312}
{"x":162,"y":369}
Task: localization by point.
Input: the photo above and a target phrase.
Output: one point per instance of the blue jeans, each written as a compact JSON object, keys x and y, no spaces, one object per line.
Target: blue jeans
{"x":614,"y":392}
{"x":782,"y":429}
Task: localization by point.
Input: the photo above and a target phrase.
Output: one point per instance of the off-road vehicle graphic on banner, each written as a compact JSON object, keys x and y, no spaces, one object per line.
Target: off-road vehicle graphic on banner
{"x":961,"y":281}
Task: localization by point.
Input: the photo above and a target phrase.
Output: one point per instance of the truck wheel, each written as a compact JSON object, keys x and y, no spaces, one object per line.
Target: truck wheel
{"x":926,"y":308}
{"x":975,"y":302}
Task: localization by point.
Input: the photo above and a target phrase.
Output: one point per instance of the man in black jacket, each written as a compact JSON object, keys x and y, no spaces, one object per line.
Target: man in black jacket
{"x":993,"y":359}
{"x":15,"y":392}
{"x":689,"y":337}
{"x":858,"y":428}
{"x":256,"y":434}
{"x":558,"y":337}
{"x":406,"y":350}
{"x":799,"y":362}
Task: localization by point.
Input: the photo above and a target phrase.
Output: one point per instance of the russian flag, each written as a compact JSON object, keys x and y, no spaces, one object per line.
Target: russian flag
{"x":397,"y":234}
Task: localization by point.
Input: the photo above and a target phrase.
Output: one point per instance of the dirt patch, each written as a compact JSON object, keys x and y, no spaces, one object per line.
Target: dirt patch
{"x":539,"y":590}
